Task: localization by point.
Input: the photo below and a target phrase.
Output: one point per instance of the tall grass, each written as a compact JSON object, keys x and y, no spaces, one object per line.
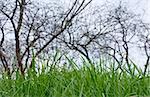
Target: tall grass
{"x":89,"y":80}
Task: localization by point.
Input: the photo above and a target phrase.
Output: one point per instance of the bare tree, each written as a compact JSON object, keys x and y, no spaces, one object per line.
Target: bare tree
{"x":144,"y":43}
{"x":110,"y":32}
{"x":124,"y":31}
{"x":35,"y":27}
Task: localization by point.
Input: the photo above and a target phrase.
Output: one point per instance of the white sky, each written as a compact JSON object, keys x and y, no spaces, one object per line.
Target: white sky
{"x":137,"y":6}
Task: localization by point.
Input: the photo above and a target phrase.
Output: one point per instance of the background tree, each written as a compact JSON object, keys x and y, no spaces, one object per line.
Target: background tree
{"x":34,"y":26}
{"x":143,"y":43}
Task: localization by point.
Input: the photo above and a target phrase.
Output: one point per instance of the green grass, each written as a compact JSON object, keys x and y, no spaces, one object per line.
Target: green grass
{"x":86,"y":81}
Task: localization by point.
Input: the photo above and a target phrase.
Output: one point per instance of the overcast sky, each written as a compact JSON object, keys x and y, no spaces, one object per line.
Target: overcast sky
{"x":137,"y":6}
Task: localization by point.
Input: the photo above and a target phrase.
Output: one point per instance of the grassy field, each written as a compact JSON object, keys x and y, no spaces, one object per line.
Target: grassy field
{"x":86,"y":81}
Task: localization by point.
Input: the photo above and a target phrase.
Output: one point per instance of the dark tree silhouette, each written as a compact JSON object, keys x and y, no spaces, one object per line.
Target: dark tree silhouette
{"x":34,"y":26}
